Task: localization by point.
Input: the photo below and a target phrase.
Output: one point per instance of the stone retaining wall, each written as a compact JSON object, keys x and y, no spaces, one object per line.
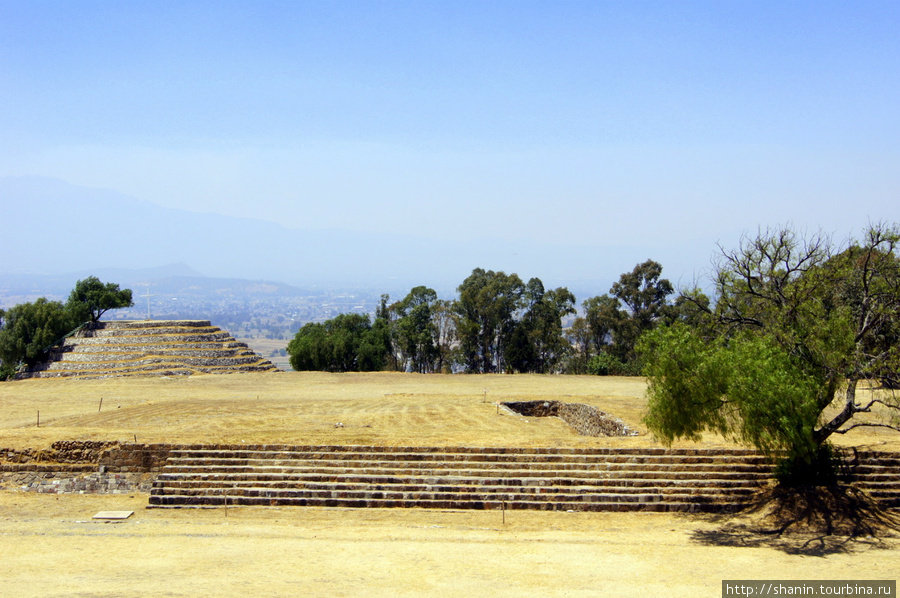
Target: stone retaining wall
{"x":133,"y":458}
{"x":61,"y":482}
{"x":61,"y":451}
{"x":104,"y":456}
{"x":83,"y":467}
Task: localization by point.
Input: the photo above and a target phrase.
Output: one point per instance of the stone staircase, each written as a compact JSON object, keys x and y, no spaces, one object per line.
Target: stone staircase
{"x":164,"y":347}
{"x":877,"y":473}
{"x":566,"y":479}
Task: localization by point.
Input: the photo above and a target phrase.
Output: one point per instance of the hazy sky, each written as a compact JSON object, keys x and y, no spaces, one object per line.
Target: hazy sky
{"x":636,"y":124}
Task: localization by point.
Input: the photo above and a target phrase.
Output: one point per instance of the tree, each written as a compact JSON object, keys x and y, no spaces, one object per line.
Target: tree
{"x":692,"y":307}
{"x":579,"y":337}
{"x":644,"y":294}
{"x":30,"y":330}
{"x":487,"y":304}
{"x":346,"y":343}
{"x":537,"y":343}
{"x":90,"y":298}
{"x":603,"y":316}
{"x":444,"y":320}
{"x":634,"y":305}
{"x":415,"y":329}
{"x":796,"y":326}
{"x":6,"y":370}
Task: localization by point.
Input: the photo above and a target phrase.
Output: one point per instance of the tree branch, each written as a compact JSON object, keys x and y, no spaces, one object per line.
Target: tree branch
{"x":873,"y":401}
{"x":867,"y":425}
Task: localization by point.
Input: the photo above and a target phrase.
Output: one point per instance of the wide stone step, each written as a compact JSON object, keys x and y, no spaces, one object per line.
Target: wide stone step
{"x":348,"y":449}
{"x":161,"y":327}
{"x":199,"y":486}
{"x":462,"y":495}
{"x":474,"y":471}
{"x":443,"y":478}
{"x":149,"y":343}
{"x":144,"y":324}
{"x":140,"y":361}
{"x":500,"y":462}
{"x":116,"y":353}
{"x":248,"y":456}
{"x":886,"y":482}
{"x":168,"y":369}
{"x":867,"y":470}
{"x":131,"y":339}
{"x":472,"y":477}
{"x":219,"y":501}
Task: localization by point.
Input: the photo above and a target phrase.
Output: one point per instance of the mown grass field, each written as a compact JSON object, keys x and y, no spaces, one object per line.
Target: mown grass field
{"x":304,"y":408}
{"x":53,"y":548}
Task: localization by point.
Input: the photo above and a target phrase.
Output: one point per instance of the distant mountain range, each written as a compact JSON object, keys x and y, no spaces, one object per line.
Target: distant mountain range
{"x":53,"y":231}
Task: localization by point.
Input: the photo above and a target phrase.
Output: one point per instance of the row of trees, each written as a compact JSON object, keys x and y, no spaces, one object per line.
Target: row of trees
{"x":774,"y":360}
{"x":29,"y":330}
{"x":499,"y":323}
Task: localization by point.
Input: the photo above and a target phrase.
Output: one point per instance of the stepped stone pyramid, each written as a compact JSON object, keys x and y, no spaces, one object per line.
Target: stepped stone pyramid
{"x":149,"y":347}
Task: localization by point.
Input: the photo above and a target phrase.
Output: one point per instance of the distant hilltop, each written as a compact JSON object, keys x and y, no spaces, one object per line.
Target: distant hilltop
{"x":149,"y":348}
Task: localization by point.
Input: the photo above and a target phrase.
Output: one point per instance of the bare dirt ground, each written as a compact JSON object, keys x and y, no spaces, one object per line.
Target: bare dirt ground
{"x":52,"y":547}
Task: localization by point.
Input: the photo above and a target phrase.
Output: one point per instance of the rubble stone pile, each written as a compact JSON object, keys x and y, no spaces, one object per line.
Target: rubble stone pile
{"x":585,"y":419}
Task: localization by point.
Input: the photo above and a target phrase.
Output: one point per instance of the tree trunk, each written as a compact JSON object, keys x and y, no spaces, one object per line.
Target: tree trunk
{"x":850,"y":408}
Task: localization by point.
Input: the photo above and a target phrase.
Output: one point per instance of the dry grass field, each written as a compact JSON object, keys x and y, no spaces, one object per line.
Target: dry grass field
{"x":303,"y":408}
{"x":53,"y":548}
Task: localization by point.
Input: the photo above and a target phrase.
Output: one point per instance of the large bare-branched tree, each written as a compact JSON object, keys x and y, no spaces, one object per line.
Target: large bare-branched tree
{"x":797,"y":324}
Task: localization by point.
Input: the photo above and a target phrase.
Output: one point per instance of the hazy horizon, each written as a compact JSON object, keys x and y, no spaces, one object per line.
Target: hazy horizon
{"x":567,"y":141}
{"x":101,"y":232}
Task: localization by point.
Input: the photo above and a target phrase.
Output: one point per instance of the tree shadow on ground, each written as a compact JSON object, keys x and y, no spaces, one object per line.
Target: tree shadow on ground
{"x":808,"y":521}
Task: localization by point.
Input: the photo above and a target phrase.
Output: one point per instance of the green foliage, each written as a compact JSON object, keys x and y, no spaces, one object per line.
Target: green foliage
{"x":30,"y":330}
{"x":637,"y":303}
{"x":644,"y":294}
{"x":91,"y":298}
{"x":603,"y":315}
{"x":444,"y":320}
{"x":794,"y":322}
{"x":346,"y":343}
{"x":536,"y":343}
{"x":415,"y":329}
{"x":607,"y":364}
{"x":578,"y":335}
{"x":746,"y":388}
{"x":505,"y":325}
{"x":487,"y":304}
{"x":7,"y":370}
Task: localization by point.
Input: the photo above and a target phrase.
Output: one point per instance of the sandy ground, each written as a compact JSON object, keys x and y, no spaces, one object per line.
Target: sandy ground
{"x":52,"y":547}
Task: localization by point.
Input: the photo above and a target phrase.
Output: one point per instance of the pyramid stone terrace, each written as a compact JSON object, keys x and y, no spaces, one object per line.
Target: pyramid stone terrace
{"x":149,"y":347}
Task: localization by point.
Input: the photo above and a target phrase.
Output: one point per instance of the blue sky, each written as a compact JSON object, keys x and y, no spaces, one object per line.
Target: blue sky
{"x":656,"y":129}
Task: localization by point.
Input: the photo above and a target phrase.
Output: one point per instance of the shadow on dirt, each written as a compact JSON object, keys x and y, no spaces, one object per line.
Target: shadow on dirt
{"x":808,"y":521}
